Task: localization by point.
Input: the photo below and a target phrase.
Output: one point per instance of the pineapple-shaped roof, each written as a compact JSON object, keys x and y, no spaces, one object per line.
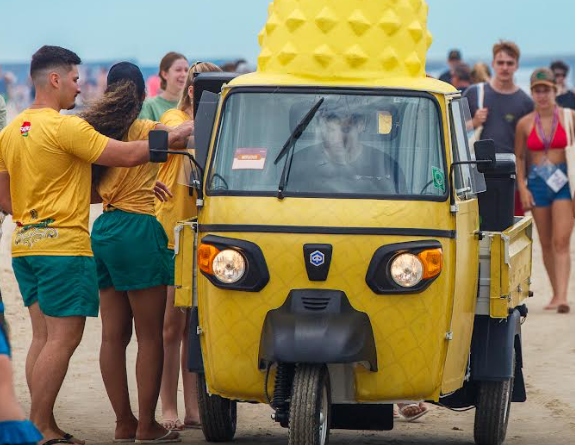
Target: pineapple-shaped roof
{"x":345,"y":39}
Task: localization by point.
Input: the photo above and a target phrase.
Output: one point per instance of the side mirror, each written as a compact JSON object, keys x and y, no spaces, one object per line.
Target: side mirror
{"x":158,"y":145}
{"x":485,"y":151}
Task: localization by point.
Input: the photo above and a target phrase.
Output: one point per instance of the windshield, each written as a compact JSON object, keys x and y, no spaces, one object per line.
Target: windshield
{"x":362,"y":145}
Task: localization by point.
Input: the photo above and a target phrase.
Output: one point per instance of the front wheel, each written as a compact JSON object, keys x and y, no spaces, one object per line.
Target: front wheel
{"x":310,"y":406}
{"x":218,"y":415}
{"x":492,"y":413}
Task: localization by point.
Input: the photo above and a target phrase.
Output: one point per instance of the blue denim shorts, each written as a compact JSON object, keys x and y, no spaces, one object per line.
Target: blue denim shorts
{"x":543,"y":195}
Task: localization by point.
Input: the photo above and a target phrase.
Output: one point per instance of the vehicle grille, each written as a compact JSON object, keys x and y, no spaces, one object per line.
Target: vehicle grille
{"x":315,"y":303}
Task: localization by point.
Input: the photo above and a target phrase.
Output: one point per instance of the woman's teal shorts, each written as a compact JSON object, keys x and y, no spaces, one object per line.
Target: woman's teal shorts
{"x":131,"y":251}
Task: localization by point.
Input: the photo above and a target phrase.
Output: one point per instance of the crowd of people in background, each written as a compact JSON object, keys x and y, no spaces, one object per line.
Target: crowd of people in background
{"x":122,"y":106}
{"x":537,"y":129}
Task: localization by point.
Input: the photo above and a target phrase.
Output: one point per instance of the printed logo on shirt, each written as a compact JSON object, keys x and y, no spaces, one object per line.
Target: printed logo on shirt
{"x":510,"y":118}
{"x":24,"y":129}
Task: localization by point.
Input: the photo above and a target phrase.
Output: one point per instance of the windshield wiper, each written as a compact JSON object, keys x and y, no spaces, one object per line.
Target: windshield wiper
{"x":290,"y":143}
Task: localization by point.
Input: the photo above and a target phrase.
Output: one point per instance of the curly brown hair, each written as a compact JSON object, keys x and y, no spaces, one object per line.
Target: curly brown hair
{"x":113,"y":114}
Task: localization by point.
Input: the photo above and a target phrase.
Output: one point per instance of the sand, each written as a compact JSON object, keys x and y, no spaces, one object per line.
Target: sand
{"x":548,"y":417}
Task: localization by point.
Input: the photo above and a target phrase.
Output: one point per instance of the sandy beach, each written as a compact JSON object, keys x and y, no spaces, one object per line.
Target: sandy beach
{"x":547,"y":418}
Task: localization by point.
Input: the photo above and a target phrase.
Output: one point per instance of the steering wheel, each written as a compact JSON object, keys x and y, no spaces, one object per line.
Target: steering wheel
{"x":425,"y":187}
{"x":224,"y":185}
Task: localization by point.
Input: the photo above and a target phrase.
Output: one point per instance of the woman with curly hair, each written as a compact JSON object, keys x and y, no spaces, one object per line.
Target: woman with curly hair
{"x":176,"y":320}
{"x":132,"y":259}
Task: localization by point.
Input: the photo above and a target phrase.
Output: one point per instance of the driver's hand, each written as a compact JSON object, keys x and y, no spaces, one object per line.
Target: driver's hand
{"x":162,"y":191}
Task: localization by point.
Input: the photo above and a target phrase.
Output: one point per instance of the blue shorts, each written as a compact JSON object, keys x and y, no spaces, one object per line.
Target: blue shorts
{"x":543,"y":195}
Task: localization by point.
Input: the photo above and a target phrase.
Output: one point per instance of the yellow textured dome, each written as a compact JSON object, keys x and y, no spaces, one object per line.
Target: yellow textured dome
{"x":345,"y":38}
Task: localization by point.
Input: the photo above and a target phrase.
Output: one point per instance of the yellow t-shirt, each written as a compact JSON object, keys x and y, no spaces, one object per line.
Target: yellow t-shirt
{"x":131,"y":189}
{"x":181,"y":206}
{"x":48,"y":157}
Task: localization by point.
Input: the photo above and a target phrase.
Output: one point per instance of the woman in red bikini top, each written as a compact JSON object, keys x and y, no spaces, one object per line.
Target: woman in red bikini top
{"x":541,"y":139}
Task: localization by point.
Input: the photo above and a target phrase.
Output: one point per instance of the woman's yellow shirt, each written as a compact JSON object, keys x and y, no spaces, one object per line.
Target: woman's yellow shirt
{"x":131,"y":189}
{"x":181,"y":206}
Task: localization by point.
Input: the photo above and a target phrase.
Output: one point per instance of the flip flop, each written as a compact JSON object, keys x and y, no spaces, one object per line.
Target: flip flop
{"x":563,"y":309}
{"x":132,"y":440}
{"x":163,"y":439}
{"x":415,"y":416}
{"x":71,"y":438}
{"x":55,"y":441}
{"x":193,"y":426}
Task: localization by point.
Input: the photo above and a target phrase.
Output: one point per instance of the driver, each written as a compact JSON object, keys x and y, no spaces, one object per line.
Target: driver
{"x":341,"y":163}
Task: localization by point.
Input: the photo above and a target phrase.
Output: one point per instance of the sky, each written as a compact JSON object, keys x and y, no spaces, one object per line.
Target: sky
{"x":144,"y":30}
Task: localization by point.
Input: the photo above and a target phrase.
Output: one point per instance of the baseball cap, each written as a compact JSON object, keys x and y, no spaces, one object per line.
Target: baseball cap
{"x":127,"y":71}
{"x":543,"y":76}
{"x":454,"y":54}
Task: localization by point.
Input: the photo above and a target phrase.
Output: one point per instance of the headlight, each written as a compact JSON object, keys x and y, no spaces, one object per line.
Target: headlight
{"x":229,"y":266}
{"x":407,"y":270}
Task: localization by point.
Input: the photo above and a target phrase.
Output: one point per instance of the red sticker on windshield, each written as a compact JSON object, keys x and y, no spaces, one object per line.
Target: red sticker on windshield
{"x":249,"y":159}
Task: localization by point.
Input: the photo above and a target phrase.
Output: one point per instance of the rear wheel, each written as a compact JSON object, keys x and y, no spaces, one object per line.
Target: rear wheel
{"x":310,"y":406}
{"x":492,"y":413}
{"x":218,"y":415}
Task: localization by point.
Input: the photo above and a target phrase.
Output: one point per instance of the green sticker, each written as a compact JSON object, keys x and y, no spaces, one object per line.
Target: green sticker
{"x":438,"y":178}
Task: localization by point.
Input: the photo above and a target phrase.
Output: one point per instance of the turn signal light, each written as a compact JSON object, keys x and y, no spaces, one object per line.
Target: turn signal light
{"x":206,"y":255}
{"x":432,"y":261}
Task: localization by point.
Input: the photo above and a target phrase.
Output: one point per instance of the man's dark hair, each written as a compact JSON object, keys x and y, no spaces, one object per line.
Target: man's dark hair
{"x":462,"y":72}
{"x":560,"y":65}
{"x":49,"y":57}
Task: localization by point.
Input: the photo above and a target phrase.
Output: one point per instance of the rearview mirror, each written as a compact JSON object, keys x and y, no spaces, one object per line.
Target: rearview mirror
{"x":158,"y":145}
{"x":485,"y":151}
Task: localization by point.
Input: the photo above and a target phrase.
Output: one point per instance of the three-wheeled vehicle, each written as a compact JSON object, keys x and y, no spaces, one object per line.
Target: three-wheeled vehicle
{"x":346,"y":255}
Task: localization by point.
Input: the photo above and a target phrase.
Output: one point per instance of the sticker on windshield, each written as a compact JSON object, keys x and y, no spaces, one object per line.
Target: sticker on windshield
{"x":249,"y":159}
{"x":385,"y":121}
{"x":438,"y":178}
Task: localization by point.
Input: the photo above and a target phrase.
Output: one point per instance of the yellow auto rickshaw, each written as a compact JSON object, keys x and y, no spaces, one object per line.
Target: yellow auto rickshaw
{"x":346,"y":255}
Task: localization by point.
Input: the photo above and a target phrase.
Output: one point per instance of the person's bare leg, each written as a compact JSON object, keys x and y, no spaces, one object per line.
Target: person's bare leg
{"x":148,"y":306}
{"x":64,"y":335}
{"x":174,"y":326}
{"x":562,"y":227}
{"x":39,"y":338}
{"x":9,"y":408}
{"x":116,"y":335}
{"x":192,"y":417}
{"x":543,"y":222}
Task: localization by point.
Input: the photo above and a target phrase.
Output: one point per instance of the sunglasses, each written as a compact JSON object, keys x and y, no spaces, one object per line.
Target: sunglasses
{"x":559,"y":74}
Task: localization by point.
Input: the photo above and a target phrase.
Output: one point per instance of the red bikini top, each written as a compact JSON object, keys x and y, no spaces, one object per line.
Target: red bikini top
{"x":534,"y":142}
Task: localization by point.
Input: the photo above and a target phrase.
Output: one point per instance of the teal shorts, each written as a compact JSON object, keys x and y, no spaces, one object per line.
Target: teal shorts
{"x":131,"y":251}
{"x":63,"y":286}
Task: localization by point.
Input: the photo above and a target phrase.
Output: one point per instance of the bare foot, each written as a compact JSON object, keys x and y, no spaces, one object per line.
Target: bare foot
{"x":172,"y":425}
{"x":553,"y":304}
{"x":154,"y":431}
{"x":126,"y":429}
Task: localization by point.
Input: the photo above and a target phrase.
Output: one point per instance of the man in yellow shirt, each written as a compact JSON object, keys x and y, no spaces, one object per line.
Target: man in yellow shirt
{"x":45,"y":180}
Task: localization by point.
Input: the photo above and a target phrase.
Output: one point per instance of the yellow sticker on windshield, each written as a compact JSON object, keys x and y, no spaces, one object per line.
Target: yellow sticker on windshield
{"x":385,"y":122}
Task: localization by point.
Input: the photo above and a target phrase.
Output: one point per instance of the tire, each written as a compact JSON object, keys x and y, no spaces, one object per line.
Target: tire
{"x":217,"y":415}
{"x":492,"y":411}
{"x":310,"y":406}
